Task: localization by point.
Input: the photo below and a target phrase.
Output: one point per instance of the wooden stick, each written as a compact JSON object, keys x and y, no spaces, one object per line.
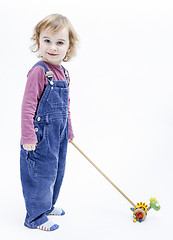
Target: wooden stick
{"x":101,"y":172}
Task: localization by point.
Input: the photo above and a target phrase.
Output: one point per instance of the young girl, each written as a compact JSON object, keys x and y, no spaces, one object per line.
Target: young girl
{"x":46,"y":123}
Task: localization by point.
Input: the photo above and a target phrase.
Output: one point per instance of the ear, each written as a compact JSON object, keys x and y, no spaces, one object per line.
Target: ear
{"x":69,"y":49}
{"x":38,"y":42}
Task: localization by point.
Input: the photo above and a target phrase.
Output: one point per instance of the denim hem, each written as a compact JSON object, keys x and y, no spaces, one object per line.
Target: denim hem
{"x":37,"y":222}
{"x":49,"y":211}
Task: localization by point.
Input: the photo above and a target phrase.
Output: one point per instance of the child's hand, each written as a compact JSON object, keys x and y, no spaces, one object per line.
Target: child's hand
{"x":29,"y":147}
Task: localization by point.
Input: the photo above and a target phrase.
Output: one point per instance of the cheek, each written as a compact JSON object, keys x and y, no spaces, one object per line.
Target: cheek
{"x":65,"y":49}
{"x":43,"y":48}
{"x":62,"y":51}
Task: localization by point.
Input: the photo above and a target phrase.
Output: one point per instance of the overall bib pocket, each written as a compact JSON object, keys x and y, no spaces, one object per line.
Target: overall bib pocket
{"x":57,"y":97}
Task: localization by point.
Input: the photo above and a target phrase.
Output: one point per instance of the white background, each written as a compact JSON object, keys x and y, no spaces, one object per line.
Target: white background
{"x":122,"y":115}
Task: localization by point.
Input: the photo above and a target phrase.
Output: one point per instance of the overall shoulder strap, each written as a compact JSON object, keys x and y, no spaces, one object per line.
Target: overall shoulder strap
{"x":66,"y":74}
{"x":42,"y":64}
{"x":49,"y":74}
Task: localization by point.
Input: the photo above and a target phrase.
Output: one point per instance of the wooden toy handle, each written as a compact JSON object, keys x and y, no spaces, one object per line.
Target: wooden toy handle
{"x":101,"y":172}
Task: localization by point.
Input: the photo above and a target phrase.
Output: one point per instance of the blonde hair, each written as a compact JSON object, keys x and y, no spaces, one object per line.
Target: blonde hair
{"x":54,"y":23}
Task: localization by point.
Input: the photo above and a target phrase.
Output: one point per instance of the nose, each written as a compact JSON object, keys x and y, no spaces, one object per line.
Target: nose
{"x":53,"y":48}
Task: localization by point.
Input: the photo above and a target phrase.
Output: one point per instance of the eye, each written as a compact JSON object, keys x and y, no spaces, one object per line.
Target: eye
{"x":60,"y":43}
{"x":47,"y":41}
{"x":157,"y":204}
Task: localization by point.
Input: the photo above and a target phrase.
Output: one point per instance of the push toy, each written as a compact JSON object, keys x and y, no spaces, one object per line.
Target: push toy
{"x":140,"y":210}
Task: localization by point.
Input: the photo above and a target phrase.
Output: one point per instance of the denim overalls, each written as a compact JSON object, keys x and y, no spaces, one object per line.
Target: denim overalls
{"x":42,"y":170}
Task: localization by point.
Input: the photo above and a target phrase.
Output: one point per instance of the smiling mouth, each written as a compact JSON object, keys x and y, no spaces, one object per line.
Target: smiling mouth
{"x":51,"y":54}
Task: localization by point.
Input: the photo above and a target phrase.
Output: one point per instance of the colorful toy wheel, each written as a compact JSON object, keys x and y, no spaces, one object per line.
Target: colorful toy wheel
{"x":139,"y":214}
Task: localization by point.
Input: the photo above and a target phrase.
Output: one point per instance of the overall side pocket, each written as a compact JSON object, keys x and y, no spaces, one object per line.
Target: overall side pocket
{"x":27,"y":164}
{"x":40,"y":130}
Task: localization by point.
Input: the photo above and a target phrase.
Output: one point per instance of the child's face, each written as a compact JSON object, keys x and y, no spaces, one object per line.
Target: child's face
{"x":54,"y":46}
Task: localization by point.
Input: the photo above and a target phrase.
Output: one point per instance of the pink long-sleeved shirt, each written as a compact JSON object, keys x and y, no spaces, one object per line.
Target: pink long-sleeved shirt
{"x":35,"y":86}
